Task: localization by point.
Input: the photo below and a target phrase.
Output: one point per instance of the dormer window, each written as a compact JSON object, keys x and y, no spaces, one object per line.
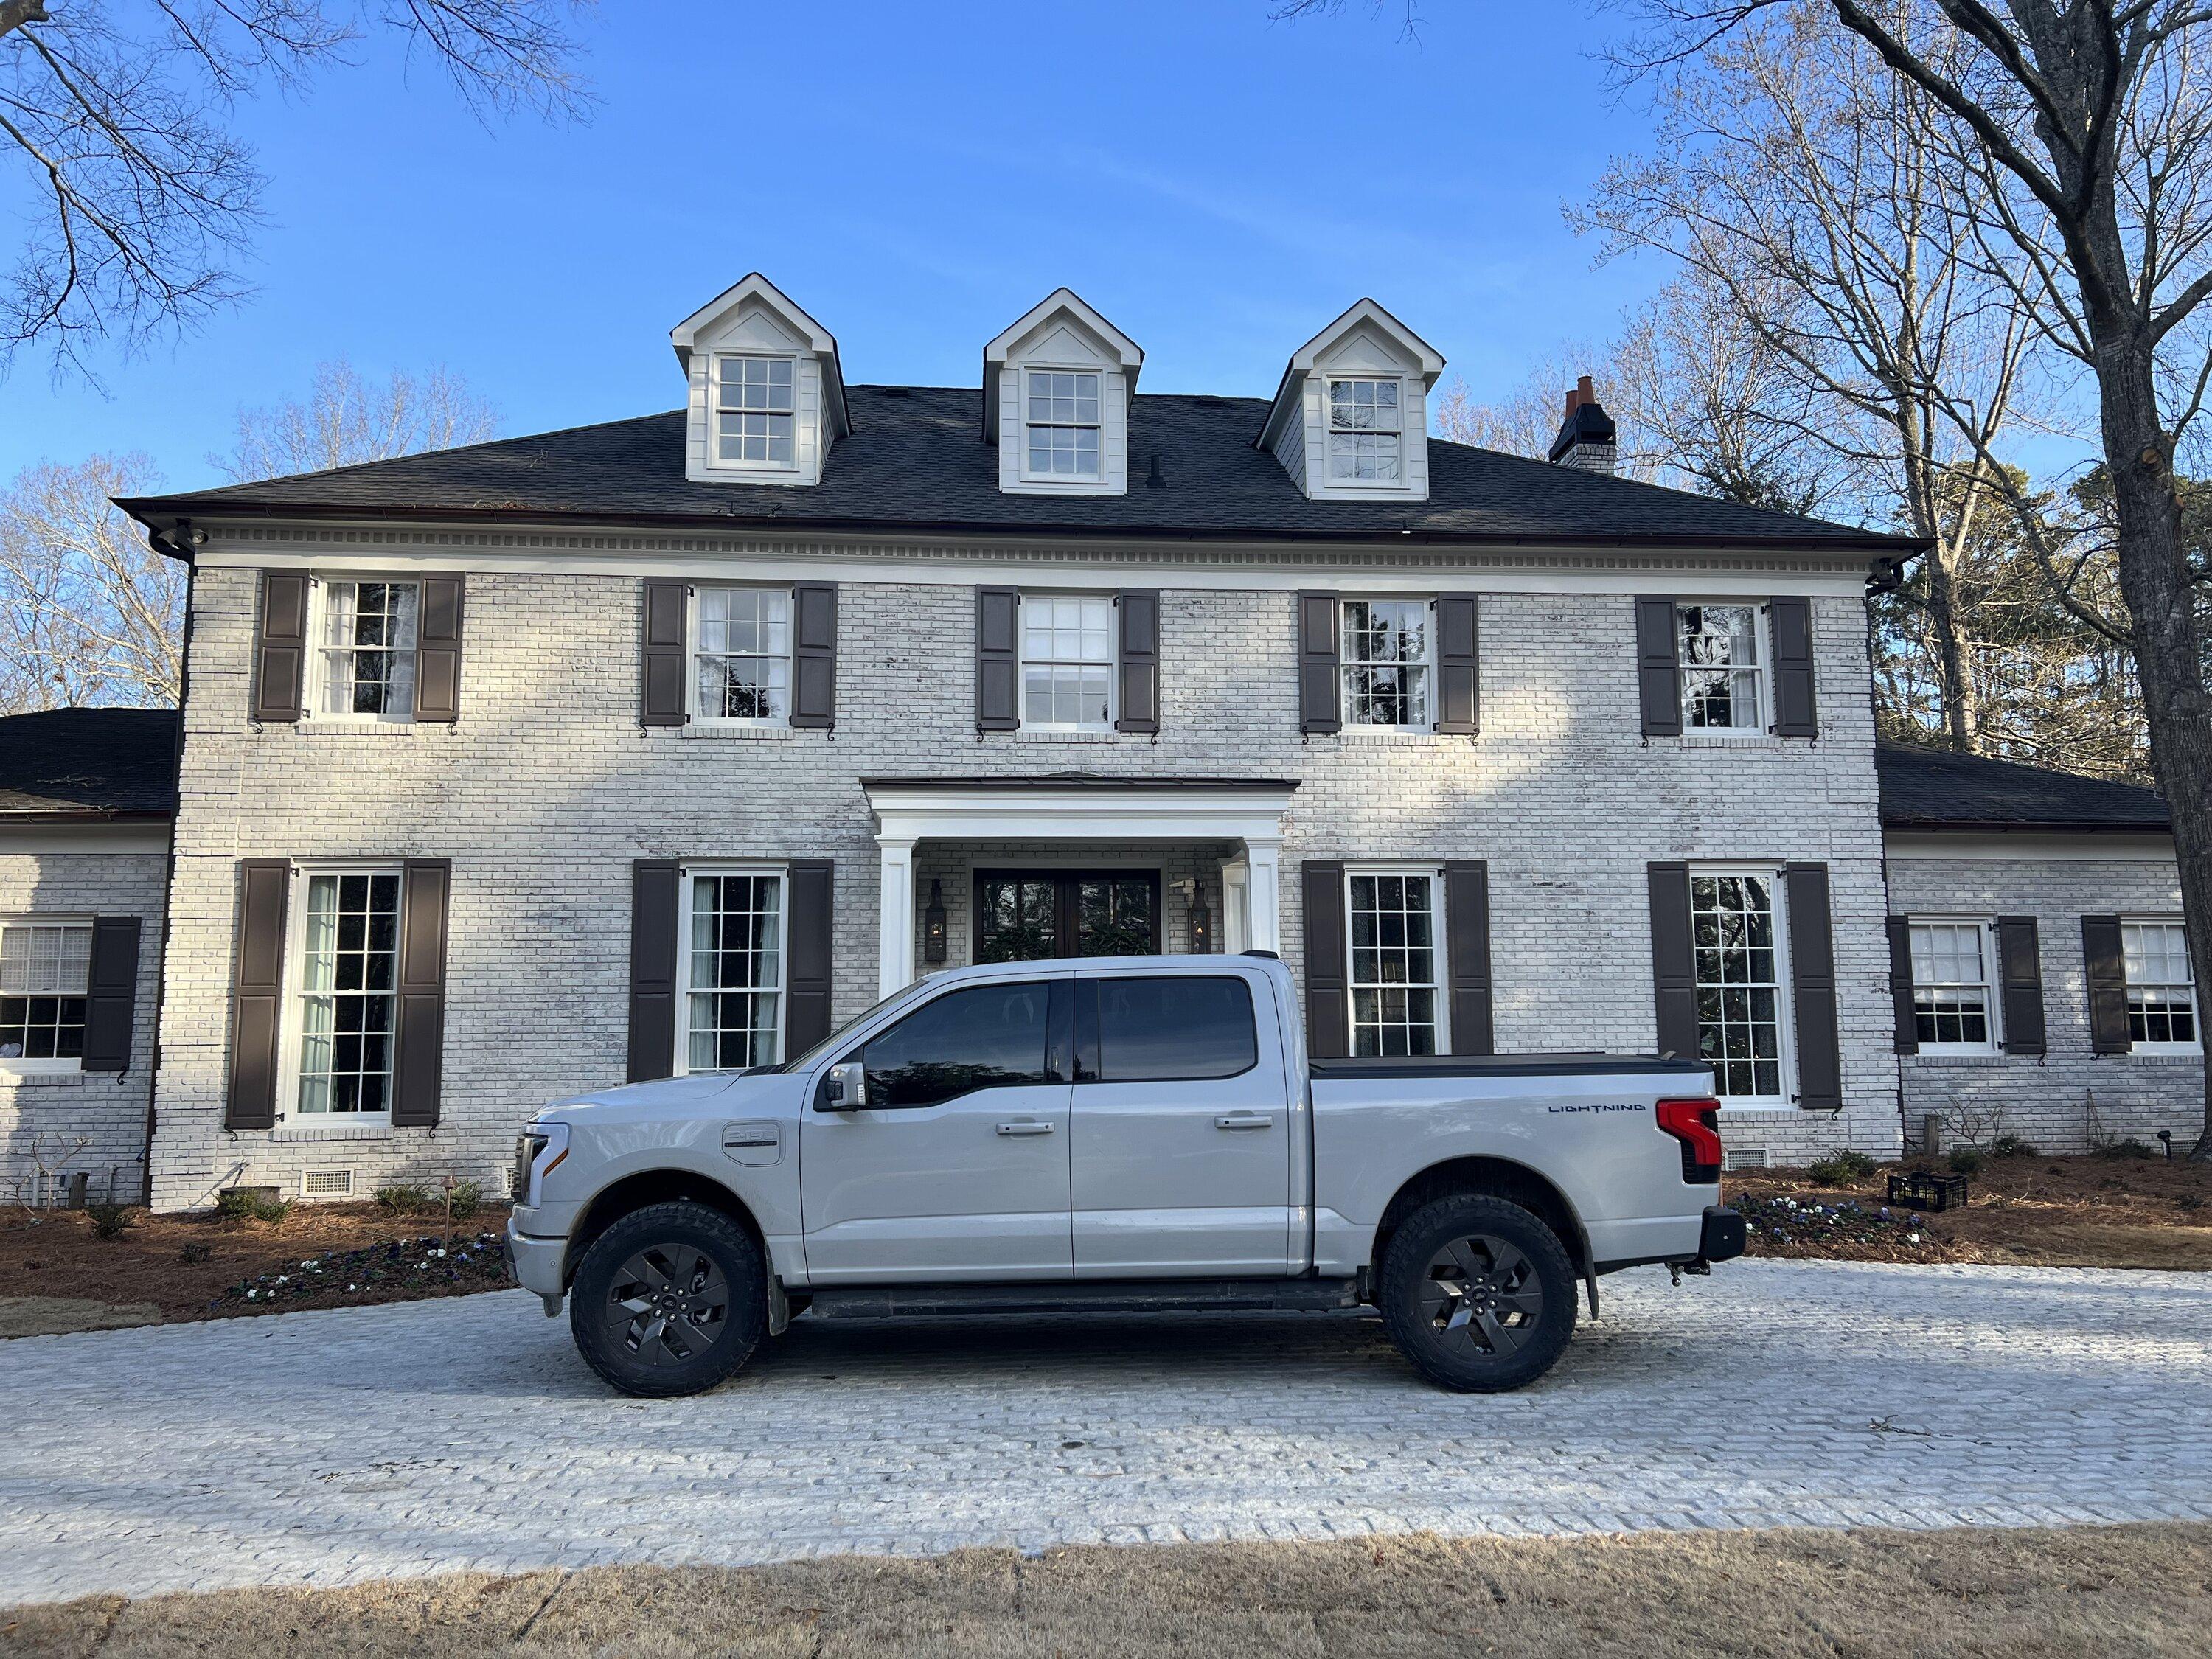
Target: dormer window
{"x":1063,"y":424}
{"x":756,"y":415}
{"x":1363,"y":430}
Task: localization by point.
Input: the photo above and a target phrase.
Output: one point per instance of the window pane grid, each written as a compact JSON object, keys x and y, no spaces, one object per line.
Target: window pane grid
{"x":743,"y":654}
{"x":43,"y":980}
{"x":1385,"y":662}
{"x":1951,"y":992}
{"x":755,"y":415}
{"x":1720,"y":666}
{"x":1394,"y":964}
{"x":2162,"y":992}
{"x":1738,"y":986}
{"x":1068,"y":661}
{"x":1063,"y":423}
{"x":349,"y":953}
{"x":734,"y":991}
{"x":1363,"y":428}
{"x":369,"y":647}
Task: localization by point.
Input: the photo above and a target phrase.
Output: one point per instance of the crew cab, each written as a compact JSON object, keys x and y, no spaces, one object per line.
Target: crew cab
{"x":1142,"y":1132}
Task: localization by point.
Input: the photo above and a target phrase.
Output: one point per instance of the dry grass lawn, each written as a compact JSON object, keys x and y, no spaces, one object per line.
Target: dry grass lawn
{"x":2107,"y":1591}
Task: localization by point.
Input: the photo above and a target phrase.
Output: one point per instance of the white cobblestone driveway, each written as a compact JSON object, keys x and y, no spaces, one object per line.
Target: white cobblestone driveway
{"x":322,"y":1448}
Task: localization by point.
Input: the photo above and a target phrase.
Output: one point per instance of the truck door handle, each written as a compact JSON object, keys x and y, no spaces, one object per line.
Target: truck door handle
{"x":1245,"y":1120}
{"x":1026,"y":1126}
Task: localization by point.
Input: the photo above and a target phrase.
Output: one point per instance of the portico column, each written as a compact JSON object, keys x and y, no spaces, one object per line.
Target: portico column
{"x":895,"y":950}
{"x":1235,"y":931}
{"x":1263,"y":896}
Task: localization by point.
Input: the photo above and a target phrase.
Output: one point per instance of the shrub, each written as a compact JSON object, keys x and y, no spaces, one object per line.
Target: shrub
{"x":252,"y":1204}
{"x":2129,"y":1148}
{"x":110,"y":1220}
{"x":466,"y":1198}
{"x":403,"y":1197}
{"x":2191,"y":1201}
{"x":192,"y":1255}
{"x":1841,"y":1168}
{"x":1964,"y":1160}
{"x":2013,"y":1146}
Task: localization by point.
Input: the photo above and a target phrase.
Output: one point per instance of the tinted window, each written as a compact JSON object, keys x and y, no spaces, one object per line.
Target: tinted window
{"x":984,"y":1037}
{"x":1157,"y":1027}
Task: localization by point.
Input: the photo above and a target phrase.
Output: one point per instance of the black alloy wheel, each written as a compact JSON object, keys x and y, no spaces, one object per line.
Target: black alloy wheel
{"x":1477,"y":1292}
{"x":669,"y":1300}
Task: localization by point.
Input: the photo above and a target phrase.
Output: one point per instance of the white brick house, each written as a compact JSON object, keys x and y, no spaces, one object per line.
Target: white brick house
{"x":662,"y":744}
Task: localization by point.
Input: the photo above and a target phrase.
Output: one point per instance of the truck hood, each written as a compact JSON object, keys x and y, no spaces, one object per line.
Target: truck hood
{"x":663,"y":1097}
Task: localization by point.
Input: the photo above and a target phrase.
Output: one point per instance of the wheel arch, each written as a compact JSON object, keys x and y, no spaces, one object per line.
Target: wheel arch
{"x":646,"y":1186}
{"x":1490,"y":1177}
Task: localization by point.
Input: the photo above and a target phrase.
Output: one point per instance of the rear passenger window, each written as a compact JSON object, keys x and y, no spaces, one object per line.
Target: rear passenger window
{"x":988,"y":1036}
{"x":1158,"y":1028}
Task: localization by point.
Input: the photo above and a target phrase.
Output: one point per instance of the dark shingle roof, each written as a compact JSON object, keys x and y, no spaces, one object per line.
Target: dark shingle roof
{"x":916,"y":459}
{"x":1942,"y":789}
{"x":89,"y":762}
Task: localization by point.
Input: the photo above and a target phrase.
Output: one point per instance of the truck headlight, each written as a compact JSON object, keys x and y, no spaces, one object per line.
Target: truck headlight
{"x":539,"y":1151}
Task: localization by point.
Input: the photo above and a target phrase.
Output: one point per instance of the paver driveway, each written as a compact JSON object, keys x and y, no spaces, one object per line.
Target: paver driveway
{"x":438,"y":1436}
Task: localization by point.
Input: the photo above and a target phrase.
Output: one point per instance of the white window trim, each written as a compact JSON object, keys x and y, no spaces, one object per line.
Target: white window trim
{"x":1762,"y":725}
{"x":2196,"y":1001}
{"x":683,"y":912}
{"x":1113,"y":663}
{"x":315,"y":676}
{"x":1427,"y":661}
{"x":1401,"y":484}
{"x":715,"y":412}
{"x":54,"y":1065}
{"x":694,"y":714}
{"x":290,"y":1025}
{"x":1440,"y":961}
{"x":1066,"y":480}
{"x":1993,"y":983}
{"x":1785,"y":1008}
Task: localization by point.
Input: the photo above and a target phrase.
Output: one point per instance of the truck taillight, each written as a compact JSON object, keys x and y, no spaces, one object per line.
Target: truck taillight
{"x":1696,"y":1124}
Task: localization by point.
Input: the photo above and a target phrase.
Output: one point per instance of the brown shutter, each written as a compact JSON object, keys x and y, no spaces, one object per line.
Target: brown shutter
{"x":2108,"y":985}
{"x":1328,"y":1015}
{"x":1813,"y":987}
{"x":814,"y":655}
{"x":112,"y":1007}
{"x":2020,"y":962}
{"x":1794,"y":715}
{"x":280,"y":650}
{"x":1658,"y":676}
{"x":1907,"y":1018}
{"x":811,"y":931}
{"x":654,"y":885}
{"x":1459,"y":675}
{"x":438,"y":650}
{"x":1673,"y":966}
{"x":419,"y":1033}
{"x":257,"y":991}
{"x":1319,"y":709}
{"x":1466,"y":942}
{"x":660,"y":685}
{"x":998,"y":625}
{"x":1139,"y":612}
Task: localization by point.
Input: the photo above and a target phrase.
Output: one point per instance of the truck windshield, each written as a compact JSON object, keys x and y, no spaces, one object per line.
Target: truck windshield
{"x":837,"y":1036}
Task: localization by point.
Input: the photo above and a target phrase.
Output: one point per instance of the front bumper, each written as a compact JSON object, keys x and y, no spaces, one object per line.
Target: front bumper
{"x":1721,"y":1237}
{"x":538,"y":1261}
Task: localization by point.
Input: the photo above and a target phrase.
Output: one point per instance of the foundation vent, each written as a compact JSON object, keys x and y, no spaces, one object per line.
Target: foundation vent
{"x":1744,"y":1158}
{"x":326,"y":1183}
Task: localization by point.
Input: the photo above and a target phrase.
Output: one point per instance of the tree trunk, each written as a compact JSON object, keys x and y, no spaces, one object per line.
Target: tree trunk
{"x":1951,"y":677}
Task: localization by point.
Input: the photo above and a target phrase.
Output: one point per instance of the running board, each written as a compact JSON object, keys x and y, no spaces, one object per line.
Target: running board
{"x":1091,"y":1296}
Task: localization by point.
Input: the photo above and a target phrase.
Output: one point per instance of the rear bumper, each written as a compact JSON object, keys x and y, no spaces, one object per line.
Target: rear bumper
{"x":1721,"y":1237}
{"x":538,"y":1261}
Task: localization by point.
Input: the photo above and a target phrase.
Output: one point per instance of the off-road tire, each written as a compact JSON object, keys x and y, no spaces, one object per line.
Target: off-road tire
{"x":688,"y":1350}
{"x":1476,"y":1329}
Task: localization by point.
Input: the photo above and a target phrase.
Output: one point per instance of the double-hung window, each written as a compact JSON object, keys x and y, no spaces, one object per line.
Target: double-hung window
{"x":1365,"y":432}
{"x":1954,"y":985}
{"x":366,"y":663}
{"x":756,"y":415}
{"x":1722,"y":667}
{"x":1062,"y":418}
{"x":733,"y":968}
{"x":45,"y":962}
{"x":345,"y":991}
{"x":1736,"y":935}
{"x":2162,"y":992}
{"x":1396,"y":940}
{"x":741,"y":655}
{"x":1068,"y":661}
{"x":1386,"y":663}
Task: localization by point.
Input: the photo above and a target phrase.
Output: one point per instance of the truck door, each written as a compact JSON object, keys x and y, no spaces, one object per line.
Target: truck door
{"x":957,"y":1168}
{"x":1181,"y":1140}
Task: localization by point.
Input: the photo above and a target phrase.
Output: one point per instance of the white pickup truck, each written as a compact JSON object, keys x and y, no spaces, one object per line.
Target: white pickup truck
{"x":1130,"y":1133}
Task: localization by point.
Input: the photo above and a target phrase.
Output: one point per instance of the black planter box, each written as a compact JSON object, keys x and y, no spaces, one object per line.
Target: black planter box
{"x":1923,"y":1189}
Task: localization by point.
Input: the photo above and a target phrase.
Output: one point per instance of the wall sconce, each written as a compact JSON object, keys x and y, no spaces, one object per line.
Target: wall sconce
{"x":932,"y":924}
{"x":1202,"y":926}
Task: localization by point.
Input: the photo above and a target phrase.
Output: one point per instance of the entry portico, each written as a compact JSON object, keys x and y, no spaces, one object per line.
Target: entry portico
{"x":1241,"y":815}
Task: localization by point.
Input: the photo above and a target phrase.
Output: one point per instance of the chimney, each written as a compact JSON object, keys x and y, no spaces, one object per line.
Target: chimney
{"x":1587,"y":436}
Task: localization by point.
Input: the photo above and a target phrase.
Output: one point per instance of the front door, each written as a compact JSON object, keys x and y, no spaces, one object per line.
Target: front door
{"x":1025,"y":915}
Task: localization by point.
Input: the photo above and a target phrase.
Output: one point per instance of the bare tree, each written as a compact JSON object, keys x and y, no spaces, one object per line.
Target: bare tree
{"x":88,"y":613}
{"x":344,"y":419}
{"x":137,"y":202}
{"x":1526,"y":419}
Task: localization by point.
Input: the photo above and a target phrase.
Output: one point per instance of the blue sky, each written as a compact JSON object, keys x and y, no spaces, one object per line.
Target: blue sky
{"x":916,"y":177}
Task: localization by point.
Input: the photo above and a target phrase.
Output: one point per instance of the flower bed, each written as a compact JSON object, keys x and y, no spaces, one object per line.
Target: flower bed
{"x":1790,"y":1226}
{"x":408,"y":1266}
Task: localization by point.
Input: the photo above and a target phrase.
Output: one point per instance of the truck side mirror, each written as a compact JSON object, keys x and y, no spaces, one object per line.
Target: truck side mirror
{"x":846,"y":1088}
